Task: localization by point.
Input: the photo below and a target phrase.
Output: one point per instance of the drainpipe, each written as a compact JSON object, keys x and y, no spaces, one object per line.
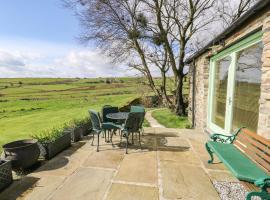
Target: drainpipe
{"x":193,"y":92}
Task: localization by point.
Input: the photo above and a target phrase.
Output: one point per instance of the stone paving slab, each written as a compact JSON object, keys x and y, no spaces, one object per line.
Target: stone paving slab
{"x":132,"y":192}
{"x":138,"y":167}
{"x":222,"y":176}
{"x":44,"y":187}
{"x":86,"y":183}
{"x":186,"y":182}
{"x":19,"y":189}
{"x":64,"y":164}
{"x":181,"y":155}
{"x":105,"y":159}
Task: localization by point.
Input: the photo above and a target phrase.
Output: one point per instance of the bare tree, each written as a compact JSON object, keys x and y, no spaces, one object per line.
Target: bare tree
{"x":230,"y":11}
{"x":151,"y":35}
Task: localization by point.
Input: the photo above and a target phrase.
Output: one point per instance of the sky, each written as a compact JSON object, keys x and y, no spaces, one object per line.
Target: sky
{"x":38,"y":38}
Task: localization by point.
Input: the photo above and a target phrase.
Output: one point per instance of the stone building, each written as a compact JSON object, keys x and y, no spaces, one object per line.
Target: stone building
{"x":230,"y":77}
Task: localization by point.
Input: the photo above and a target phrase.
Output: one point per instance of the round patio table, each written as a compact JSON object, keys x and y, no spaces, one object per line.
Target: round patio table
{"x":121,"y":116}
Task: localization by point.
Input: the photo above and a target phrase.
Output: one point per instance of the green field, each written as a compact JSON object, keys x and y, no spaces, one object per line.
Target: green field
{"x":28,"y":106}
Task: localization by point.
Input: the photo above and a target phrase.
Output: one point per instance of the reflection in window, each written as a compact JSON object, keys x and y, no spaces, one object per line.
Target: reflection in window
{"x":247,"y":87}
{"x":220,"y":91}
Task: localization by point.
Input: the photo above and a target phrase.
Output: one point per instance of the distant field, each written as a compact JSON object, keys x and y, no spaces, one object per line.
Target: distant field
{"x":30,"y":105}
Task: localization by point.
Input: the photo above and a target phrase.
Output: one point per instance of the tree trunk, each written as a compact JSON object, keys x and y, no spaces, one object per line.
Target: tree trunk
{"x":180,"y":107}
{"x":166,"y":100}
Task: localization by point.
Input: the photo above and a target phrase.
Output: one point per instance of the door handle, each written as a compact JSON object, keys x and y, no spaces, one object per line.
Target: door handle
{"x":230,"y":100}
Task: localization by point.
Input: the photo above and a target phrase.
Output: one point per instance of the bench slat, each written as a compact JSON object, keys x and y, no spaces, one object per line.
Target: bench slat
{"x":261,"y":146}
{"x":257,"y":137}
{"x":253,"y":148}
{"x":251,"y":153}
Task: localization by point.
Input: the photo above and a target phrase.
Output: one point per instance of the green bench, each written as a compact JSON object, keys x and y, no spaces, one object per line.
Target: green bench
{"x":247,"y":156}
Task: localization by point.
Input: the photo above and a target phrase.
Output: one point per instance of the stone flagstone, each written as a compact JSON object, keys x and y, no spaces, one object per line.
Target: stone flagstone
{"x":86,"y":183}
{"x":132,"y":192}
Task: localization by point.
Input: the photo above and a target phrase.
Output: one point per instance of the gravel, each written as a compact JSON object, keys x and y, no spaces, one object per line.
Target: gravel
{"x":231,"y":191}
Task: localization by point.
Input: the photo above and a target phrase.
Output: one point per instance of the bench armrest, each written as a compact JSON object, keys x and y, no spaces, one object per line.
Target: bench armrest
{"x":263,"y":183}
{"x":216,"y":137}
{"x":222,"y":138}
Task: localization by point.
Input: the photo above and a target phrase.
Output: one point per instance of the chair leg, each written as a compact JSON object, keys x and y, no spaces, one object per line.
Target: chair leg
{"x":132,"y":138}
{"x":210,"y":153}
{"x":98,"y":143}
{"x":112,"y":137}
{"x":140,"y":140}
{"x":121,"y":135}
{"x":93,"y":139}
{"x":127,"y":145}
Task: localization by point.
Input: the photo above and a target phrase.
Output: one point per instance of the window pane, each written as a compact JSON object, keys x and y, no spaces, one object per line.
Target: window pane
{"x":247,"y":87}
{"x":220,"y":91}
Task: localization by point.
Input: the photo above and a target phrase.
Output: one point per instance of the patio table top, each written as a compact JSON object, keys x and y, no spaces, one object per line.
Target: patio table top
{"x":118,"y":116}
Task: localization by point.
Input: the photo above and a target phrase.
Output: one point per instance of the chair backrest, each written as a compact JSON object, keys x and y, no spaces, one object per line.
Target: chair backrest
{"x":254,"y":146}
{"x":107,"y":110}
{"x":133,"y":122}
{"x":142,"y":119}
{"x":95,"y":120}
{"x":137,"y":109}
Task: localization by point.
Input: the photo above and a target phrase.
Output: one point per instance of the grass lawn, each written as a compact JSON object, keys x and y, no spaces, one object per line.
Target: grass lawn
{"x":28,"y":106}
{"x":146,"y":123}
{"x":169,"y":119}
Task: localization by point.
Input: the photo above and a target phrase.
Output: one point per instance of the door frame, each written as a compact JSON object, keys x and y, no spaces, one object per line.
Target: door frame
{"x":232,"y":52}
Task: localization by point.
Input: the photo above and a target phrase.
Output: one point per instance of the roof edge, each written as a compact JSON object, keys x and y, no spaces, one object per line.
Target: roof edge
{"x":224,"y":34}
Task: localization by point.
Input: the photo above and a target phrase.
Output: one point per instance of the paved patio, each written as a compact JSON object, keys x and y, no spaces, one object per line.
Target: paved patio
{"x":171,"y":165}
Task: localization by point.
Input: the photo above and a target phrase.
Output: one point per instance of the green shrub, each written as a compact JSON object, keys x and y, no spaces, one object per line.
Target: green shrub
{"x":50,"y":135}
{"x":81,"y":122}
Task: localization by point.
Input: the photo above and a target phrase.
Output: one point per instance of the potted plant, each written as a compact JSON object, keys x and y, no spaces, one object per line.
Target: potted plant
{"x":5,"y":174}
{"x":54,"y":141}
{"x":76,"y":130}
{"x":86,"y":126}
{"x":80,"y":128}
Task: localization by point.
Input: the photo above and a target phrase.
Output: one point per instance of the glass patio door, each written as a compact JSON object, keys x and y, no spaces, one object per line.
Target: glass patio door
{"x":220,"y":94}
{"x":234,"y":87}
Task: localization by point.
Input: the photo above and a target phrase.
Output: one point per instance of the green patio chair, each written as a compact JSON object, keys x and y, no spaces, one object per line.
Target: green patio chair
{"x":131,"y":126}
{"x":107,"y":109}
{"x":137,"y":109}
{"x":142,"y":110}
{"x":96,"y":126}
{"x":99,"y":127}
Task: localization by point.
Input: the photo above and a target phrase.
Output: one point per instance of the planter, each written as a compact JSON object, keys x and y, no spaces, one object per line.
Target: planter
{"x":5,"y":174}
{"x":87,"y":129}
{"x":55,"y":147}
{"x":22,"y":153}
{"x":76,"y":134}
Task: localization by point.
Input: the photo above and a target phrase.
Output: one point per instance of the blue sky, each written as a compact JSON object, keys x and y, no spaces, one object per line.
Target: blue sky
{"x":38,"y":39}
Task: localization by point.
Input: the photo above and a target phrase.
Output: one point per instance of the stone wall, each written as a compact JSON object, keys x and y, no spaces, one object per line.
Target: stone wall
{"x":264,"y":115}
{"x":202,"y":75}
{"x":201,"y":91}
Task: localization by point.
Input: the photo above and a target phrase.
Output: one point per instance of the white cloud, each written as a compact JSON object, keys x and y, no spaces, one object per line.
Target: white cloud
{"x":41,"y":59}
{"x":10,"y":60}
